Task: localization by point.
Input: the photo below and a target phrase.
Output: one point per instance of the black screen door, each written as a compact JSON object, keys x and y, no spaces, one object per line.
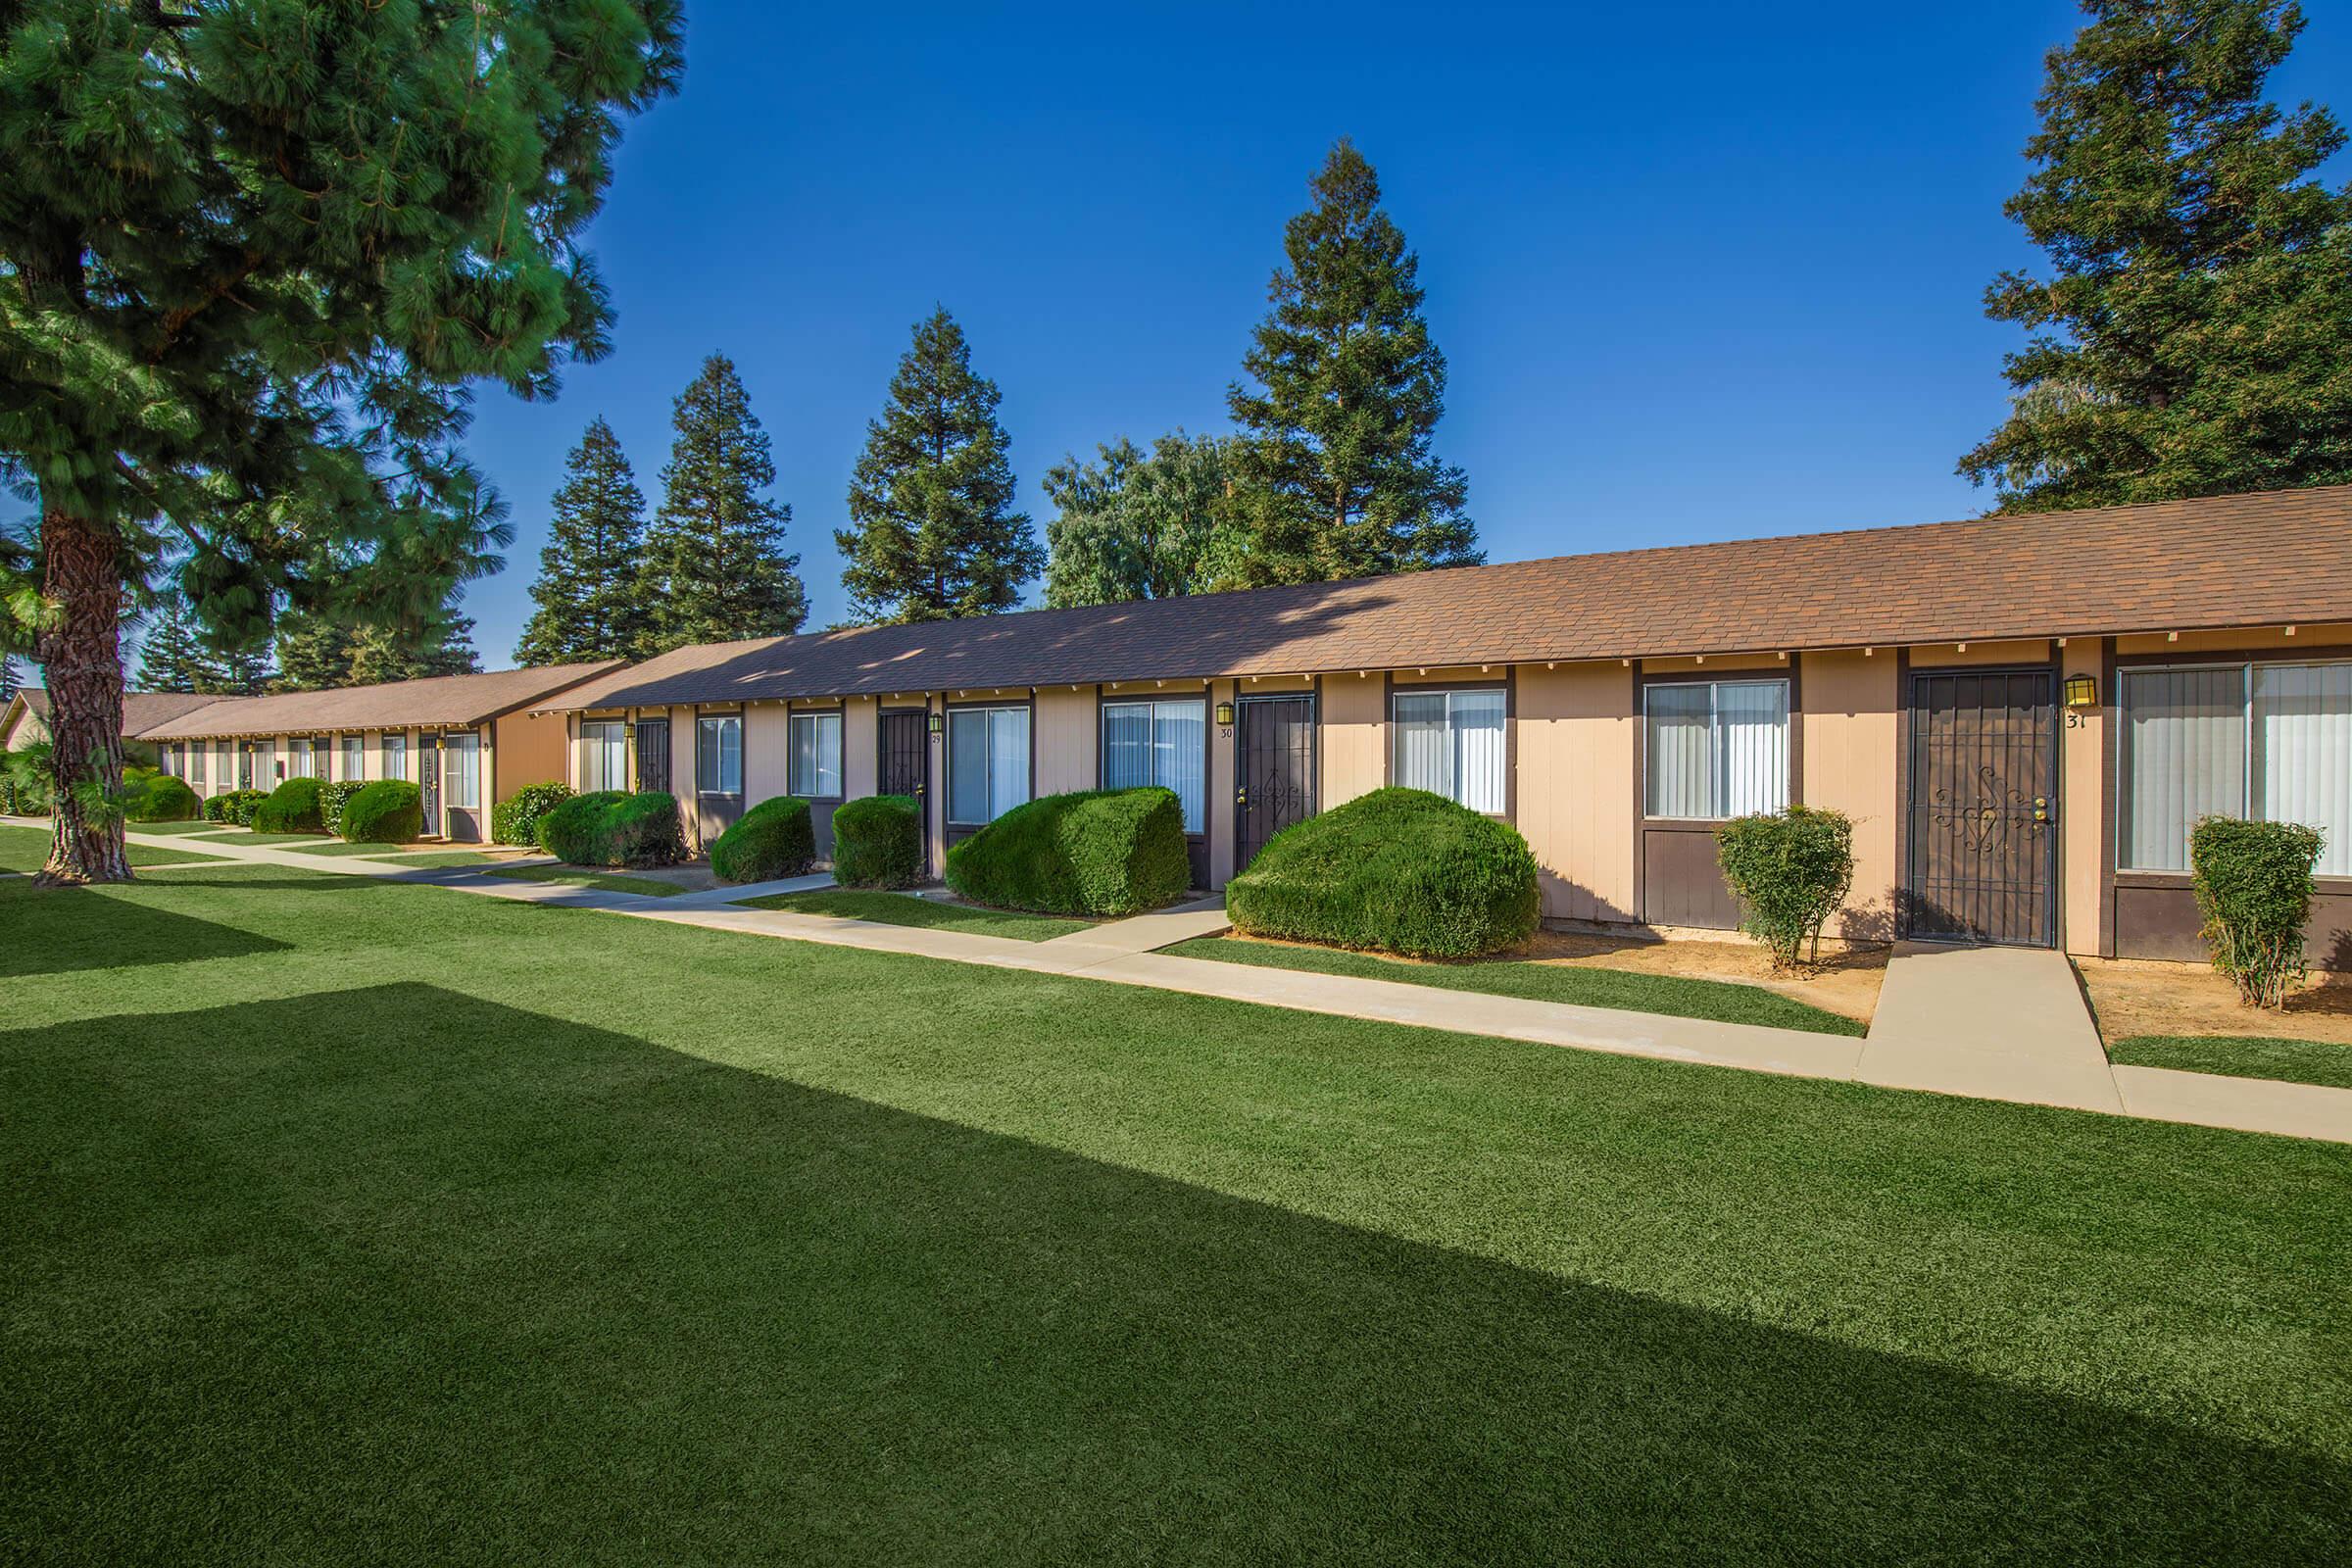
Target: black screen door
{"x":428,"y":781}
{"x":1981,"y":859}
{"x":905,"y":753}
{"x":652,"y":755}
{"x":1277,"y":767}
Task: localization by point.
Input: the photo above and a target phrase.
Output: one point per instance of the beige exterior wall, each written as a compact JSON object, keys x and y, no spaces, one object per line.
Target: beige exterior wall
{"x":681,"y":771}
{"x":767,"y":751}
{"x":25,"y":728}
{"x":860,"y":748}
{"x":532,"y":750}
{"x":1850,"y":755}
{"x":934,"y":826}
{"x":1066,"y":742}
{"x":1949,"y":655}
{"x":2192,"y":643}
{"x":1221,"y":742}
{"x":1574,"y":733}
{"x":2084,"y":838}
{"x":1354,"y":743}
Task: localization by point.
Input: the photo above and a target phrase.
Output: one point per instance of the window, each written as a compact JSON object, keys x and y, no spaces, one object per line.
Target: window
{"x":2270,"y":742}
{"x":298,"y":757}
{"x":1717,"y":748}
{"x":816,"y":756}
{"x":1158,"y":742}
{"x":719,"y":760}
{"x":461,"y":770}
{"x":396,"y":757}
{"x":1451,"y":744}
{"x":604,"y":757}
{"x":198,"y":756}
{"x":987,"y":762}
{"x":355,"y":756}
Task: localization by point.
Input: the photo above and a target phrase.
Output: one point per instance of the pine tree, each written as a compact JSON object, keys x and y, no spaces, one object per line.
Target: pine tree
{"x":237,"y":673}
{"x":932,"y":531}
{"x":1334,"y":473}
{"x":171,"y":654}
{"x":589,"y":591}
{"x":1138,"y":526}
{"x":251,"y":257}
{"x":314,"y":653}
{"x":445,"y":647}
{"x":2192,"y":336}
{"x":715,"y":563}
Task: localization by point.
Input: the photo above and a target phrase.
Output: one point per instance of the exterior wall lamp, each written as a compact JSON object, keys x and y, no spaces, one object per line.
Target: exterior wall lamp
{"x":2082,"y":692}
{"x":1225,"y":716}
{"x":938,"y":722}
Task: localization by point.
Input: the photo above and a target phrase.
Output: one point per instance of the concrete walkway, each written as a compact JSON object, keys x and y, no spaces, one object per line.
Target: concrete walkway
{"x":1991,"y":1023}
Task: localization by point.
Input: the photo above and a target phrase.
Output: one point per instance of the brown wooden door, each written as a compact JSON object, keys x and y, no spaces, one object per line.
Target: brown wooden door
{"x":1983,"y":851}
{"x":905,"y":753}
{"x":1276,"y":764}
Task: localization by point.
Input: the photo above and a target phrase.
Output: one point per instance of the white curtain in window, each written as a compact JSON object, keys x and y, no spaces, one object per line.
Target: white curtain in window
{"x":463,"y":770}
{"x":355,"y":757}
{"x":816,"y":754}
{"x":2183,"y":756}
{"x":1478,"y":749}
{"x":604,"y":758}
{"x":1008,"y":759}
{"x":2303,"y":753}
{"x":1178,"y":737}
{"x":1751,"y":757}
{"x":1424,"y":744}
{"x":1126,"y":746}
{"x":1680,"y":779}
{"x":967,"y":766}
{"x":396,"y":757}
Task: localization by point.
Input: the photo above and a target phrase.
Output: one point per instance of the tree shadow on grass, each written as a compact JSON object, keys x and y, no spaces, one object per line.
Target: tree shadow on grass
{"x":87,"y":928}
{"x":397,"y":1274}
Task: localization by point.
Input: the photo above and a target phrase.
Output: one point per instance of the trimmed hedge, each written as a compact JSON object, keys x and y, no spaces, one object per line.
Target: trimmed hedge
{"x":614,"y":827}
{"x":878,"y":842}
{"x":292,"y":807}
{"x":333,"y":799}
{"x":234,"y":806}
{"x":516,"y":819}
{"x":1396,"y":870}
{"x":151,"y":796}
{"x":1789,"y":870}
{"x":773,"y":839}
{"x":1093,"y":852}
{"x":385,"y":810}
{"x":2254,"y":888}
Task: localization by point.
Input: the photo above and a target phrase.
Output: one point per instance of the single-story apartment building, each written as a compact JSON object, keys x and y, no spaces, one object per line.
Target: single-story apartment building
{"x":2023,"y":715}
{"x":24,"y":720}
{"x":469,"y":740}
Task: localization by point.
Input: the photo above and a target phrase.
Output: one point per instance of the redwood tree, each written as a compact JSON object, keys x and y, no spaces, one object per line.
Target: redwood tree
{"x":251,"y":258}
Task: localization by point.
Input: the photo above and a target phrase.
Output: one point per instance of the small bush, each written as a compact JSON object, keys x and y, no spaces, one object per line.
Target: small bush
{"x":333,"y":799}
{"x":773,"y":839}
{"x":612,"y":827}
{"x":1789,"y":870}
{"x":292,"y":807}
{"x":149,"y":796}
{"x":516,"y":819}
{"x":384,"y":810}
{"x":878,"y":842}
{"x":1094,"y":851}
{"x":234,"y":806}
{"x":2254,"y":888}
{"x":25,"y":786}
{"x":1397,"y":871}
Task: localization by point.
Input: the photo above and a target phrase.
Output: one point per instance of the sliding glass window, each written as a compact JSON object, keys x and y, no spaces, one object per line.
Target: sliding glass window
{"x":719,"y":755}
{"x":816,"y":756}
{"x":1716,"y":749}
{"x":1159,"y":742}
{"x":604,"y":756}
{"x":395,"y":756}
{"x":461,"y":770}
{"x":988,"y":763}
{"x":355,"y":757}
{"x":1451,"y":744}
{"x":2268,"y":742}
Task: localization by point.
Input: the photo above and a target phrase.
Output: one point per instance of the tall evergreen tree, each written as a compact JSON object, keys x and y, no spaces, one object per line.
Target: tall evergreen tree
{"x":933,"y":533}
{"x":589,"y":592}
{"x":2192,"y":336}
{"x":444,"y":647}
{"x":250,"y":258}
{"x":173,"y":655}
{"x":237,"y":673}
{"x":715,"y":563}
{"x":1335,"y":476}
{"x":1137,"y":525}
{"x":314,"y":653}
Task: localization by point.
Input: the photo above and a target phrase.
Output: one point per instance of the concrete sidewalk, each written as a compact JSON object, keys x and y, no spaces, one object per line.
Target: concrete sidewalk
{"x":1990,"y":1023}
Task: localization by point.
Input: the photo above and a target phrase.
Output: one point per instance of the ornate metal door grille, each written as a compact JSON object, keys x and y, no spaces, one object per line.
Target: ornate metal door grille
{"x":652,"y":755}
{"x":1277,"y":770}
{"x":905,"y":752}
{"x":1982,"y":850}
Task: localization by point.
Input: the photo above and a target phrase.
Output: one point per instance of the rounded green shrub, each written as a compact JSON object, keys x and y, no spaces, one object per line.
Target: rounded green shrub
{"x":2254,"y":888}
{"x":516,"y":819}
{"x":614,"y":827}
{"x":234,"y":806}
{"x":332,"y":799}
{"x":1397,"y":871}
{"x":878,"y":842}
{"x":385,"y":810}
{"x":1094,"y":851}
{"x":292,"y":807}
{"x":153,"y":797}
{"x":1789,"y":870}
{"x":773,"y":839}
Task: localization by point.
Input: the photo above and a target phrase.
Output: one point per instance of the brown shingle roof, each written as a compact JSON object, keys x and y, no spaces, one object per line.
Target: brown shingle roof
{"x":2231,"y":560}
{"x":141,"y":711}
{"x":451,"y":700}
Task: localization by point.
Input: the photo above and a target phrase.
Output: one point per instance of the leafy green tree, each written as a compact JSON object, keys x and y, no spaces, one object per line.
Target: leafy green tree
{"x":8,"y":678}
{"x":1138,"y":526}
{"x":251,"y":257}
{"x":171,"y":654}
{"x":2192,"y":335}
{"x":933,"y":534}
{"x":1335,"y":476}
{"x":715,"y":566}
{"x":589,"y":596}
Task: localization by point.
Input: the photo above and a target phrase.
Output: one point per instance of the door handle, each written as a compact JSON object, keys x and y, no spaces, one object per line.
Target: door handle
{"x":2041,"y":809}
{"x":1241,"y":796}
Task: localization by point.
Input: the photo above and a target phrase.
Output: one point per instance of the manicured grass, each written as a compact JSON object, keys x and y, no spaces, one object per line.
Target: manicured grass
{"x":2294,"y":1061}
{"x":608,"y":881}
{"x":441,"y":859}
{"x":175,"y":827}
{"x":359,"y":1221}
{"x":248,"y":837}
{"x":338,"y":847}
{"x":1718,"y":1000}
{"x":27,"y":849}
{"x":936,"y":914}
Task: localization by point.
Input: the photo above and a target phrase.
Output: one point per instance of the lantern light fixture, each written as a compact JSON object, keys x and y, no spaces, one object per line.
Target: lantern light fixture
{"x":939,"y":722}
{"x":2082,"y":692}
{"x":1225,"y":716}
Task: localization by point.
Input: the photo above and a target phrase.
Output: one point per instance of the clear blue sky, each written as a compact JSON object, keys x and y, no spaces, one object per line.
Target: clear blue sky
{"x":1700,"y":274}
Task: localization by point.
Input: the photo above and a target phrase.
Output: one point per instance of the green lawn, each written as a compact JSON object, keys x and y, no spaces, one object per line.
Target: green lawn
{"x":652,"y":887}
{"x":177,"y":827}
{"x":1544,"y":982}
{"x":899,"y":908}
{"x":441,"y":859}
{"x":2297,"y":1061}
{"x":27,"y":849}
{"x":339,"y":846}
{"x":248,"y":837}
{"x":358,"y":1221}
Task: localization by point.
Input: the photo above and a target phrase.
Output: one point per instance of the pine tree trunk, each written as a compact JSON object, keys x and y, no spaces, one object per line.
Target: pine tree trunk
{"x":81,"y":658}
